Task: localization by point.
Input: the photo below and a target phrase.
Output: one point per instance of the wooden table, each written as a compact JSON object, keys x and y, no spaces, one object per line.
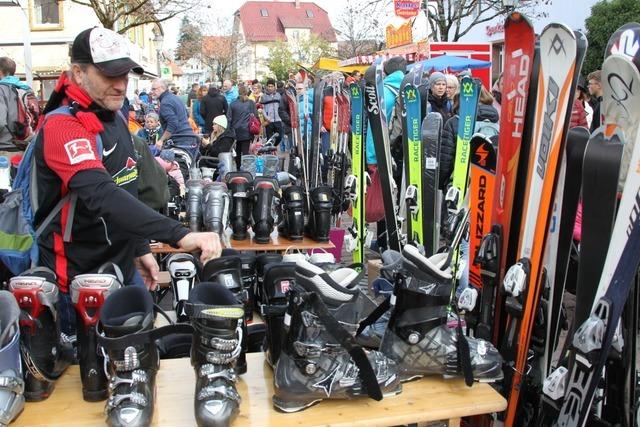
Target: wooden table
{"x":427,"y":399}
{"x":277,"y":243}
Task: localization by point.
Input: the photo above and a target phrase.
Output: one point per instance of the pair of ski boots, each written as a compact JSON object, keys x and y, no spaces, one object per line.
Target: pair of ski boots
{"x":293,"y":210}
{"x":207,"y":205}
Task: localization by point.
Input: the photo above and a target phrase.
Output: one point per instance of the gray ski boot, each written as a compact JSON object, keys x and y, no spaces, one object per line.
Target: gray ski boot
{"x":319,"y":358}
{"x":194,"y":203}
{"x":418,"y":337}
{"x":215,"y":207}
{"x":11,"y":382}
{"x":218,"y":325}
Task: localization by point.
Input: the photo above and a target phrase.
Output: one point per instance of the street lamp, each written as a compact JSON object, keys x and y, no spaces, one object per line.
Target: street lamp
{"x":157,"y":41}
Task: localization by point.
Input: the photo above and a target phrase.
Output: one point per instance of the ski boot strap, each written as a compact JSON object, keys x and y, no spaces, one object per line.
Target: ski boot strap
{"x":344,"y":338}
{"x":375,"y":315}
{"x":272,"y":310}
{"x":141,"y":338}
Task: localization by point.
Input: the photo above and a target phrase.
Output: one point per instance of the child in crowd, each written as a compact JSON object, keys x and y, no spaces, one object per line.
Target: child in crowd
{"x":151,"y":131}
{"x":167,"y":159}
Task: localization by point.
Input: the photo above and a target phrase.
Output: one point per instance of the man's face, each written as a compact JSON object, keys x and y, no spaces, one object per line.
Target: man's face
{"x":157,"y":90}
{"x":226,"y":86}
{"x":107,"y":92}
{"x":440,"y":88}
{"x":595,"y":88}
{"x":271,"y":88}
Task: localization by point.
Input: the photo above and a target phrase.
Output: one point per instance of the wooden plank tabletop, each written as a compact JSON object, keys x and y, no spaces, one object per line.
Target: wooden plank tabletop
{"x":277,"y":243}
{"x":427,"y":399}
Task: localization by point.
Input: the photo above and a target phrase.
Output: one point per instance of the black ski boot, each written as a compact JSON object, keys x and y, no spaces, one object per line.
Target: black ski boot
{"x":11,"y":380}
{"x":125,"y":331}
{"x":320,"y":215}
{"x":215,"y":207}
{"x":183,"y":269}
{"x":418,"y":337}
{"x":278,"y":279}
{"x":262,"y":261}
{"x":88,"y":293}
{"x":292,"y":225}
{"x":218,"y":325}
{"x":240,"y":186}
{"x":319,"y":358}
{"x":249,"y":282}
{"x":194,"y":204}
{"x":44,"y":357}
{"x":227,"y":271}
{"x":265,"y":201}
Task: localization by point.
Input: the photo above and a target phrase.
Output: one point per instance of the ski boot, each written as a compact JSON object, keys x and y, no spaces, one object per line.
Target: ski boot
{"x":215,"y":207}
{"x":226,"y":165}
{"x":240,"y":185}
{"x":43,"y":353}
{"x":265,"y":200}
{"x":292,"y":225}
{"x":88,"y":292}
{"x":320,"y":215}
{"x":194,"y":203}
{"x":184,"y":274}
{"x":319,"y":358}
{"x":262,"y":261}
{"x":418,"y":337}
{"x":249,"y":163}
{"x":278,"y":279}
{"x":125,"y":331}
{"x":227,"y":271}
{"x":249,"y":282}
{"x":219,"y":329}
{"x":11,"y":380}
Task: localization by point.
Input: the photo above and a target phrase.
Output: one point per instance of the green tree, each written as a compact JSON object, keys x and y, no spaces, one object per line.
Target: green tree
{"x":606,"y":17}
{"x":313,"y":48}
{"x":281,"y":60}
{"x":189,"y":40}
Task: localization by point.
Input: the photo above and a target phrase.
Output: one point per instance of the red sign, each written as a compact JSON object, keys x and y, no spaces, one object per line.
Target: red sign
{"x":494,"y":29}
{"x":406,"y":8}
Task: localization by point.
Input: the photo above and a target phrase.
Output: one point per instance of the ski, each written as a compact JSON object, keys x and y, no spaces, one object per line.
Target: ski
{"x":355,"y":184}
{"x":374,"y":96}
{"x":316,"y":126}
{"x":431,"y":194}
{"x":558,"y":50}
{"x":594,"y":338}
{"x":414,"y":165}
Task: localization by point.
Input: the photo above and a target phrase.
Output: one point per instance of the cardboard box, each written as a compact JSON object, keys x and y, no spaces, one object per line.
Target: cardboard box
{"x":373,"y":272}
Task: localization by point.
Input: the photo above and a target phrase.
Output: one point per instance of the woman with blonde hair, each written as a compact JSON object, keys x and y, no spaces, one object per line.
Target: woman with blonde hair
{"x":453,"y":86}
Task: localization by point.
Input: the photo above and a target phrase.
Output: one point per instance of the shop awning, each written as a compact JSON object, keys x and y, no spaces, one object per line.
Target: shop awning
{"x":331,"y":64}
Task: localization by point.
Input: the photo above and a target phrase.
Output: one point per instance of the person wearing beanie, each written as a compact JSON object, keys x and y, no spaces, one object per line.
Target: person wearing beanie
{"x":110,"y":224}
{"x":438,"y":100}
{"x":221,"y":140}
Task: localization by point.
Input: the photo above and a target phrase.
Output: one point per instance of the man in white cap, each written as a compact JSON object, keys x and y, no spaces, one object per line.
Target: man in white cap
{"x":85,"y":150}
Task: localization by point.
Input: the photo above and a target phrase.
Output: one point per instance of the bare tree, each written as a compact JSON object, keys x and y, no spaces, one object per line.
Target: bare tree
{"x":359,"y":27}
{"x":454,"y":18}
{"x":122,"y":15}
{"x":219,"y":51}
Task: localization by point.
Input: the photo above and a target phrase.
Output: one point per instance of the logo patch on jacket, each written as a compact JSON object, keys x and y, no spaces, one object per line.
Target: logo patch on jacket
{"x":127,"y":174}
{"x":79,"y":150}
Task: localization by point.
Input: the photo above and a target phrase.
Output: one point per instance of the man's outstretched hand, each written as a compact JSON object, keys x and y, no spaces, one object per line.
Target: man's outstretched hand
{"x":207,"y":243}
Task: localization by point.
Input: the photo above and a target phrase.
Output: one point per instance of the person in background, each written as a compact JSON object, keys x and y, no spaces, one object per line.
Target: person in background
{"x":270,"y":101}
{"x":583,"y":96}
{"x":8,"y":110}
{"x":195,"y":108}
{"x":167,"y":159}
{"x":230,"y":91}
{"x":193,"y":94}
{"x":212,"y":105}
{"x":453,"y":86}
{"x":239,"y":112}
{"x":151,"y":131}
{"x":174,"y":119}
{"x":594,"y":80}
{"x":221,"y":139}
{"x":438,"y":100}
{"x":285,"y":115}
{"x":256,"y":91}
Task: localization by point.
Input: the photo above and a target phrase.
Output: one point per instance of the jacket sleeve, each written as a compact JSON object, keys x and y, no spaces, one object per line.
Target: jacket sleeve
{"x":447,"y":151}
{"x":283,"y":112}
{"x":167,"y":110}
{"x":225,"y":106}
{"x":203,"y":109}
{"x":122,"y":211}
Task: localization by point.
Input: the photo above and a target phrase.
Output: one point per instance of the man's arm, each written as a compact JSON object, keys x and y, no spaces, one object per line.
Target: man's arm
{"x":167,"y":111}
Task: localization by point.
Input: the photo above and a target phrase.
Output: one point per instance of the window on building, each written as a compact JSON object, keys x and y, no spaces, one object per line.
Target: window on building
{"x":46,"y":14}
{"x":309,"y":13}
{"x":264,"y":12}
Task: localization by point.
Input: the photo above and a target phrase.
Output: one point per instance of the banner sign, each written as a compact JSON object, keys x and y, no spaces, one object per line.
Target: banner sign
{"x":406,"y":8}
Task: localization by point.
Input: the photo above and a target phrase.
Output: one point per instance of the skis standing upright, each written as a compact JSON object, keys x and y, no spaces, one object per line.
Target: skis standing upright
{"x":355,"y":184}
{"x":316,"y":125}
{"x":558,"y":49}
{"x":374,"y":97}
{"x":431,"y":195}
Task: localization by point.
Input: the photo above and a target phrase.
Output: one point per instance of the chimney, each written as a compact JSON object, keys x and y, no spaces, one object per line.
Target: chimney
{"x":297,"y":4}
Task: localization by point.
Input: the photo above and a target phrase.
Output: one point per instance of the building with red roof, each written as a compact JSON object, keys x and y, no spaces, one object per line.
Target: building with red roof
{"x":259,"y":24}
